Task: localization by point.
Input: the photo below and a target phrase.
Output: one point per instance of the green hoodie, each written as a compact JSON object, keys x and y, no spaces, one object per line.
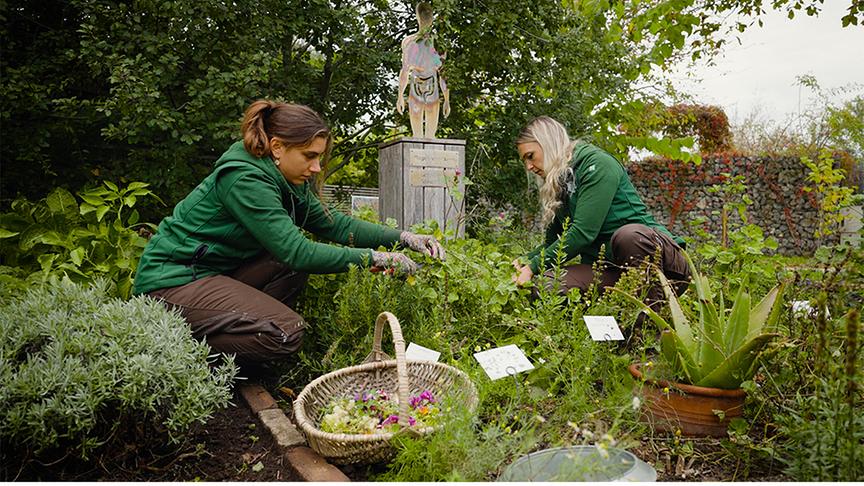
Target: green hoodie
{"x":598,"y":199}
{"x":246,"y":206}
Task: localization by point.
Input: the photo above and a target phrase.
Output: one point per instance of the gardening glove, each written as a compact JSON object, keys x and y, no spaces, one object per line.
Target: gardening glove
{"x":425,"y":244}
{"x":394,"y":262}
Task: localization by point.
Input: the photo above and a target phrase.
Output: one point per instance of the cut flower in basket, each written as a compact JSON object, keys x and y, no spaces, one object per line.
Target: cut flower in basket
{"x":377,"y":413}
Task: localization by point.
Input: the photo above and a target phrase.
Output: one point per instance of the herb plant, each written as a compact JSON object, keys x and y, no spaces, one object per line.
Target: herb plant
{"x":79,"y":369}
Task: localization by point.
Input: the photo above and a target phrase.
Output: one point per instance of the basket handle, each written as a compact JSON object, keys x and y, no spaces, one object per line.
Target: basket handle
{"x":401,"y":367}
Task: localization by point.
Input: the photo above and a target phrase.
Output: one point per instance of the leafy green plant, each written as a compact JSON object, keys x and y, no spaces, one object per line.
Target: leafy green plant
{"x":815,"y":396}
{"x":739,"y":252}
{"x":826,"y":180}
{"x":97,"y":238}
{"x":721,"y":350}
{"x":80,"y":369}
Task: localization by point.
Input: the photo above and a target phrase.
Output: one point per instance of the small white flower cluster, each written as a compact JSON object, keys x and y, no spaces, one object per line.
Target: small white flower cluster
{"x":341,"y":419}
{"x":602,"y":444}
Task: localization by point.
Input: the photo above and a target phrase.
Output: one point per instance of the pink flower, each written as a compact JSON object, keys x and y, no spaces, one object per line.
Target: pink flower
{"x":393,"y":419}
{"x":458,"y":172}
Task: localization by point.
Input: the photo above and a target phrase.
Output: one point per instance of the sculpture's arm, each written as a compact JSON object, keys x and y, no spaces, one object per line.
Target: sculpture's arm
{"x":446,"y":92}
{"x":403,"y":75}
{"x":403,"y":82}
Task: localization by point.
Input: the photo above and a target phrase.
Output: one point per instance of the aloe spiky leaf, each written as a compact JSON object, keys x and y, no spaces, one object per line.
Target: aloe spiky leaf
{"x":739,"y":321}
{"x":703,"y":289}
{"x":651,"y":314}
{"x":730,"y":373}
{"x":766,"y":314}
{"x":679,"y":320}
{"x":679,"y":356}
{"x":711,"y":352}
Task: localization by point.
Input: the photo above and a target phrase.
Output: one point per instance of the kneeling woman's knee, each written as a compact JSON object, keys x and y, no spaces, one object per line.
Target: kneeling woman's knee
{"x":627,"y":233}
{"x":289,"y":340}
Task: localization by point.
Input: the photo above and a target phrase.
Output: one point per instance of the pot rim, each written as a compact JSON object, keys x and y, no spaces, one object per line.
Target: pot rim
{"x":689,"y":389}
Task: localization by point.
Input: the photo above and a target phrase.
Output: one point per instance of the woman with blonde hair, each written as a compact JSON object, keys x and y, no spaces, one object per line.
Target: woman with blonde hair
{"x":232,"y":257}
{"x":589,"y":188}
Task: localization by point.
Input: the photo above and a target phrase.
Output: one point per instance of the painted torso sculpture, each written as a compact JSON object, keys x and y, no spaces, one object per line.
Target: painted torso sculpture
{"x":421,"y":65}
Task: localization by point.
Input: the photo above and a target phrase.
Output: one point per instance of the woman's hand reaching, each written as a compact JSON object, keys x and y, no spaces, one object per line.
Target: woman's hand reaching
{"x":523,"y":273}
{"x":424,"y":244}
{"x":393,"y":262}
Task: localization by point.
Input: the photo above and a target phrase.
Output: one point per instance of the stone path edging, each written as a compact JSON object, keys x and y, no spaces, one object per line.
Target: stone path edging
{"x":292,"y":445}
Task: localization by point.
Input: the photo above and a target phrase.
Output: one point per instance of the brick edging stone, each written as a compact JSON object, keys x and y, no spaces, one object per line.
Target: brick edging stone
{"x":292,"y":445}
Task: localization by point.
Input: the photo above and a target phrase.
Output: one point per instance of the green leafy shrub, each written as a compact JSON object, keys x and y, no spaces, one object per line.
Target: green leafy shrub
{"x":79,"y":368}
{"x":739,"y":253}
{"x":815,"y":396}
{"x":98,"y":238}
{"x":467,"y":304}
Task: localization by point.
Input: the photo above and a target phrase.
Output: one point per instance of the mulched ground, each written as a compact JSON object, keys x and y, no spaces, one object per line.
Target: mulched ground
{"x":232,"y":446}
{"x":705,"y":461}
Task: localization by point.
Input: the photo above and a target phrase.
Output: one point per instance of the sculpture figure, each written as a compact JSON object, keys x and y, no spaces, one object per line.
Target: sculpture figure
{"x":420,"y":73}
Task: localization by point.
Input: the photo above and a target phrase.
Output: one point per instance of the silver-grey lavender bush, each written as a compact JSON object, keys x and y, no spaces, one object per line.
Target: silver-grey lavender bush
{"x":76,"y":364}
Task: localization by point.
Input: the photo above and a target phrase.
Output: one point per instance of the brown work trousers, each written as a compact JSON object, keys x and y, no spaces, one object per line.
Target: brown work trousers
{"x":246,"y":313}
{"x":631,"y":245}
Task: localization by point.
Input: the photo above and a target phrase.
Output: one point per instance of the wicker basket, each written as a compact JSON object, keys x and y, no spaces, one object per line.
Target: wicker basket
{"x":399,"y":377}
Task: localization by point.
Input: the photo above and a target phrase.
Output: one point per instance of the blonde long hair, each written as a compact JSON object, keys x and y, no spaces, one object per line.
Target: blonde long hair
{"x":557,"y":153}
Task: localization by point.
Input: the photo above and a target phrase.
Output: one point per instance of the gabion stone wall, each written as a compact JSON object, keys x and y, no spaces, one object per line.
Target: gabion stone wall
{"x":677,"y":193}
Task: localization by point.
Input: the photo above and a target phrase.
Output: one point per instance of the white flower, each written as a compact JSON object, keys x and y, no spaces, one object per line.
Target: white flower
{"x":601,"y":448}
{"x":636,"y":403}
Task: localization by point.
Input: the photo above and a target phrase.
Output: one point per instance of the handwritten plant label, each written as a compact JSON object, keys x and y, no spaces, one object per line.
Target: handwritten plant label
{"x":504,"y":361}
{"x":603,"y":328}
{"x":419,"y":353}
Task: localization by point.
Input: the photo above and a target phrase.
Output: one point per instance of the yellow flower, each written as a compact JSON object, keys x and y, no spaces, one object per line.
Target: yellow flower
{"x":666,"y":390}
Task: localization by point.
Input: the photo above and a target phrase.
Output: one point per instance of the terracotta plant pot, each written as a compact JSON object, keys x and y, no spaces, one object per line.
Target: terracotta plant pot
{"x":668,"y":406}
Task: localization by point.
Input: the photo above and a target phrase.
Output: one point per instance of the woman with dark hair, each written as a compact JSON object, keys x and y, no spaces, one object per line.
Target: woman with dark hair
{"x":232,"y":257}
{"x":589,"y":188}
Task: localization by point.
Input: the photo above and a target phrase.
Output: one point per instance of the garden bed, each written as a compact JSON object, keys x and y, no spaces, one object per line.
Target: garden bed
{"x":231,"y":446}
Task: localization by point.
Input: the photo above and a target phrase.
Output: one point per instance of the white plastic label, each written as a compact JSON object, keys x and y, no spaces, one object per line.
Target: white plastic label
{"x":603,"y":328}
{"x":504,"y":361}
{"x":419,"y":353}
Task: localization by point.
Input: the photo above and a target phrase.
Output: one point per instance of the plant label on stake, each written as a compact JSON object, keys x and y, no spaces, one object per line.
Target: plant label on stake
{"x":504,"y":361}
{"x":419,"y":353}
{"x":603,"y":328}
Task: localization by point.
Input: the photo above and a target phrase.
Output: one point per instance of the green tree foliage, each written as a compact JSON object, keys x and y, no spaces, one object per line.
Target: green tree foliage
{"x":153,"y":91}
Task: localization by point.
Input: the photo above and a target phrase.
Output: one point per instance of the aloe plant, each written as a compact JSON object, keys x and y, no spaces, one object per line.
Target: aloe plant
{"x":717,"y":350}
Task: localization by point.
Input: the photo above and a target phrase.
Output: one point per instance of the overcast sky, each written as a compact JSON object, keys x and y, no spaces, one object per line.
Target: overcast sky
{"x":760,"y":73}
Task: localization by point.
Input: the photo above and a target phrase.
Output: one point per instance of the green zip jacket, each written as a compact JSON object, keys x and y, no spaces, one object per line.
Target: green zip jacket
{"x":243,"y":207}
{"x":598,"y":199}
